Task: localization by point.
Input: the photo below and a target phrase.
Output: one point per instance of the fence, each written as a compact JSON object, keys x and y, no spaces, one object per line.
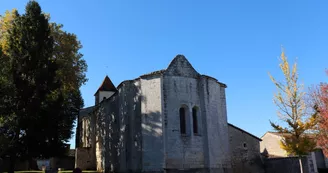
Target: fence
{"x":65,"y":171}
{"x":286,"y":165}
{"x":27,"y":172}
{"x":83,"y":171}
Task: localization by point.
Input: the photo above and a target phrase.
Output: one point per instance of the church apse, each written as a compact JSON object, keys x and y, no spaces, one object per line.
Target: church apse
{"x":172,"y":120}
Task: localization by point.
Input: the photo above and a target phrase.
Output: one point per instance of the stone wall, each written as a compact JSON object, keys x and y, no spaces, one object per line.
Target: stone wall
{"x":101,"y":114}
{"x":285,"y":165}
{"x":112,"y":137}
{"x":138,"y":128}
{"x":130,"y":126}
{"x":151,"y":124}
{"x":184,"y":87}
{"x":118,"y":130}
{"x":86,"y":128}
{"x":85,"y":148}
{"x":245,"y":152}
{"x":216,"y":142}
{"x":84,"y":158}
{"x":107,"y":144}
{"x":183,"y":151}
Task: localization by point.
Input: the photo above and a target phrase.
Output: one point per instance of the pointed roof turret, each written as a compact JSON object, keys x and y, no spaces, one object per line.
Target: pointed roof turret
{"x":107,"y":85}
{"x":180,"y":66}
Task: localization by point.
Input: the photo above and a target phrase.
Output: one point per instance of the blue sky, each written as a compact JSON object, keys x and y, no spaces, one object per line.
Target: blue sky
{"x":236,"y":41}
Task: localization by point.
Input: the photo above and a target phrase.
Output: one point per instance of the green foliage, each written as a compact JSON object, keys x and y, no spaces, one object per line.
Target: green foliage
{"x":67,"y":55}
{"x":6,"y":23}
{"x":291,"y":104}
{"x":30,"y":50}
{"x":41,"y":71}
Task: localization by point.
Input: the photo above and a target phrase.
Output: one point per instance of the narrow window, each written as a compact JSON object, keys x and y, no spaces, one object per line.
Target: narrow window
{"x":194,"y":120}
{"x":182,"y":120}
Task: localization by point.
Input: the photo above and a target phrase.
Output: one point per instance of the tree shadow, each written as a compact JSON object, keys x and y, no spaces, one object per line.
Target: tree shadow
{"x":122,"y":129}
{"x":85,"y":134}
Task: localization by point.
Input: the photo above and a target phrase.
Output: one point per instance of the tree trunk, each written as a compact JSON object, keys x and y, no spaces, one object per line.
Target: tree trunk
{"x":1,"y":165}
{"x":12,"y":155}
{"x":12,"y":163}
{"x":301,"y":166}
{"x":32,"y":164}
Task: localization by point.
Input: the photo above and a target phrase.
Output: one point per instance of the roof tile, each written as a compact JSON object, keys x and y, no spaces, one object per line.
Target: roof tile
{"x":107,"y":85}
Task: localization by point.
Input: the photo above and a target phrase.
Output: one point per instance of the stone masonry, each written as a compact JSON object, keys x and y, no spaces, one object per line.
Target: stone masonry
{"x":245,"y":155}
{"x":172,"y":120}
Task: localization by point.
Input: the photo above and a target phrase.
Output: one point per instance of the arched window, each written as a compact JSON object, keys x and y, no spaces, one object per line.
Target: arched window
{"x":182,"y":112}
{"x":194,"y":120}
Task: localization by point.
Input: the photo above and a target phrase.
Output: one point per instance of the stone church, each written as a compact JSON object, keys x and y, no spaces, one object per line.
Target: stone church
{"x":171,"y":120}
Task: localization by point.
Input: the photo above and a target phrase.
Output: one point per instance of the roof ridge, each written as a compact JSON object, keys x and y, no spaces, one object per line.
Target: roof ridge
{"x":238,"y":128}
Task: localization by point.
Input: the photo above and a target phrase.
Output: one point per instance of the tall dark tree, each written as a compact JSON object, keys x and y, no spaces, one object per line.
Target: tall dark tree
{"x":6,"y":123}
{"x":32,"y":69}
{"x":41,"y":71}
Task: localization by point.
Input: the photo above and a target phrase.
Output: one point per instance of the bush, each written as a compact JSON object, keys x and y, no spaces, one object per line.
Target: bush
{"x":322,"y":170}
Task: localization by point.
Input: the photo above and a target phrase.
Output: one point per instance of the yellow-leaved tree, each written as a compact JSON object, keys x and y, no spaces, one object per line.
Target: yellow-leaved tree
{"x":290,"y":99}
{"x":6,"y":23}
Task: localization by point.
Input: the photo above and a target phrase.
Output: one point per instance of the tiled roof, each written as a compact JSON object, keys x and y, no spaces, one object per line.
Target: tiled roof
{"x":107,"y":85}
{"x":221,"y":84}
{"x":153,"y":73}
{"x":245,"y":132}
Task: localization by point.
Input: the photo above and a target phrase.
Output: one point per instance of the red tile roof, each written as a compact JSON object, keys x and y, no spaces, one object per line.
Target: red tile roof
{"x":107,"y":85}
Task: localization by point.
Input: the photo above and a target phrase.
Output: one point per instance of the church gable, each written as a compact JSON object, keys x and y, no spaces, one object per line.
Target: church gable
{"x":180,"y":66}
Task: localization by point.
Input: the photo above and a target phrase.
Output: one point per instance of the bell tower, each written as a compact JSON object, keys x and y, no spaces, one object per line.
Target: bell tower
{"x":106,"y":90}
